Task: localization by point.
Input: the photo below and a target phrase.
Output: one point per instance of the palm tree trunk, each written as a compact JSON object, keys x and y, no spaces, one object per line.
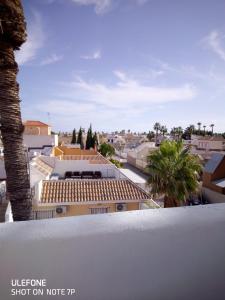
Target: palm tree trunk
{"x":18,"y":183}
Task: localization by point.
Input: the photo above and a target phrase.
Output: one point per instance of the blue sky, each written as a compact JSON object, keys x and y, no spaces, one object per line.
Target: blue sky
{"x":123,"y":64}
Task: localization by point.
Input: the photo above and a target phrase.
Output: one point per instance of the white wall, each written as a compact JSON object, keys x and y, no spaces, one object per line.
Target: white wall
{"x":37,"y":141}
{"x":1,"y":151}
{"x":2,"y":169}
{"x":212,"y":196}
{"x":210,"y":145}
{"x":35,"y":176}
{"x":61,"y":166}
{"x":171,"y":253}
{"x":8,"y":214}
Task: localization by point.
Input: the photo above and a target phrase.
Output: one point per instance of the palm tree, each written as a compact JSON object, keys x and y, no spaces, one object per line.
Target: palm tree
{"x":173,"y":172}
{"x":163,"y":129}
{"x":204,"y":126}
{"x":212,"y":125}
{"x":179,"y":132}
{"x":156,"y":127}
{"x":12,"y":36}
{"x":199,"y":127}
{"x":192,"y":129}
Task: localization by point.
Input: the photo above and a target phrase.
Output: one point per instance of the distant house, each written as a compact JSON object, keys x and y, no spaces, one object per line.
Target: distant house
{"x":36,"y":128}
{"x":138,"y":156}
{"x":70,"y":150}
{"x":214,"y":179}
{"x":214,"y":143}
{"x":62,"y":198}
{"x":37,"y":138}
{"x":74,"y":182}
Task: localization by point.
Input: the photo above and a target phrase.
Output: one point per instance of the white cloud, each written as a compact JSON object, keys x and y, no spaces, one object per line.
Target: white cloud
{"x":141,"y":2}
{"x":101,"y":6}
{"x":35,"y":41}
{"x":51,"y":59}
{"x":214,"y":41}
{"x":66,"y":108}
{"x":126,"y":93}
{"x":96,"y":55}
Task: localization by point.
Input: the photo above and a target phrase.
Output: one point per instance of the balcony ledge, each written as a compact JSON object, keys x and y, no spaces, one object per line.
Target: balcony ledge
{"x":175,"y":253}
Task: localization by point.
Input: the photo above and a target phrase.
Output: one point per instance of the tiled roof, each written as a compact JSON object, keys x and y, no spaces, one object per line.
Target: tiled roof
{"x":65,"y":150}
{"x":93,"y":159}
{"x":34,"y":123}
{"x":80,"y":191}
{"x":42,"y":167}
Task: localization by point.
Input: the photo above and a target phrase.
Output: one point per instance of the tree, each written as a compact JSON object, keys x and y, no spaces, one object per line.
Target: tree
{"x":199,"y":127}
{"x":156,"y":127}
{"x":89,"y":140}
{"x":163,"y":130}
{"x":150,"y":135}
{"x":74,"y":137}
{"x":95,"y":140}
{"x":173,"y":171}
{"x":12,"y":36}
{"x":179,"y":132}
{"x":204,"y":126}
{"x":107,"y":150}
{"x":80,"y":139}
{"x":212,"y":125}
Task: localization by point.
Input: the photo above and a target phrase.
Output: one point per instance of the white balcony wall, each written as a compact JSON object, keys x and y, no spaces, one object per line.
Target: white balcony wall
{"x":39,"y":141}
{"x":212,"y":196}
{"x":174,"y":253}
{"x":8,"y":214}
{"x":107,"y":170}
{"x":2,"y":169}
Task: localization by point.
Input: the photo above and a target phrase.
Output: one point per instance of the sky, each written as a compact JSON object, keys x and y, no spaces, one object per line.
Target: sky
{"x":123,"y":64}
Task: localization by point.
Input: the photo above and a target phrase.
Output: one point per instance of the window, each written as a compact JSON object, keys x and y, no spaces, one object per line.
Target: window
{"x":99,"y":210}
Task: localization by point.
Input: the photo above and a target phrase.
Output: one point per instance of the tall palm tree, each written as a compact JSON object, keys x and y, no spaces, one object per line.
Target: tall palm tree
{"x":179,"y":132}
{"x":163,"y":129}
{"x":173,"y":171}
{"x":12,"y":36}
{"x":156,"y":127}
{"x":199,"y":127}
{"x":204,"y":126}
{"x":212,"y":125}
{"x":192,"y":129}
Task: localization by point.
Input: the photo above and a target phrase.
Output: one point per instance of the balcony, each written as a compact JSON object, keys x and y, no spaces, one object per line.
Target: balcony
{"x":174,"y":253}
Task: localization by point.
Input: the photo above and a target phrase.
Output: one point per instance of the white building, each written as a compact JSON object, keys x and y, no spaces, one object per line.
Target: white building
{"x":138,"y":156}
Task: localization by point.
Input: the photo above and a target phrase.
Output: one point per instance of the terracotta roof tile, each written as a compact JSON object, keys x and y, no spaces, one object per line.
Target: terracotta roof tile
{"x":42,"y":167}
{"x":34,"y":123}
{"x":111,"y":190}
{"x":93,"y":159}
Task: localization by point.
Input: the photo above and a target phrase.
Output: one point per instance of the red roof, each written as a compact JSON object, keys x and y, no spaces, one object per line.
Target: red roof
{"x":34,"y":123}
